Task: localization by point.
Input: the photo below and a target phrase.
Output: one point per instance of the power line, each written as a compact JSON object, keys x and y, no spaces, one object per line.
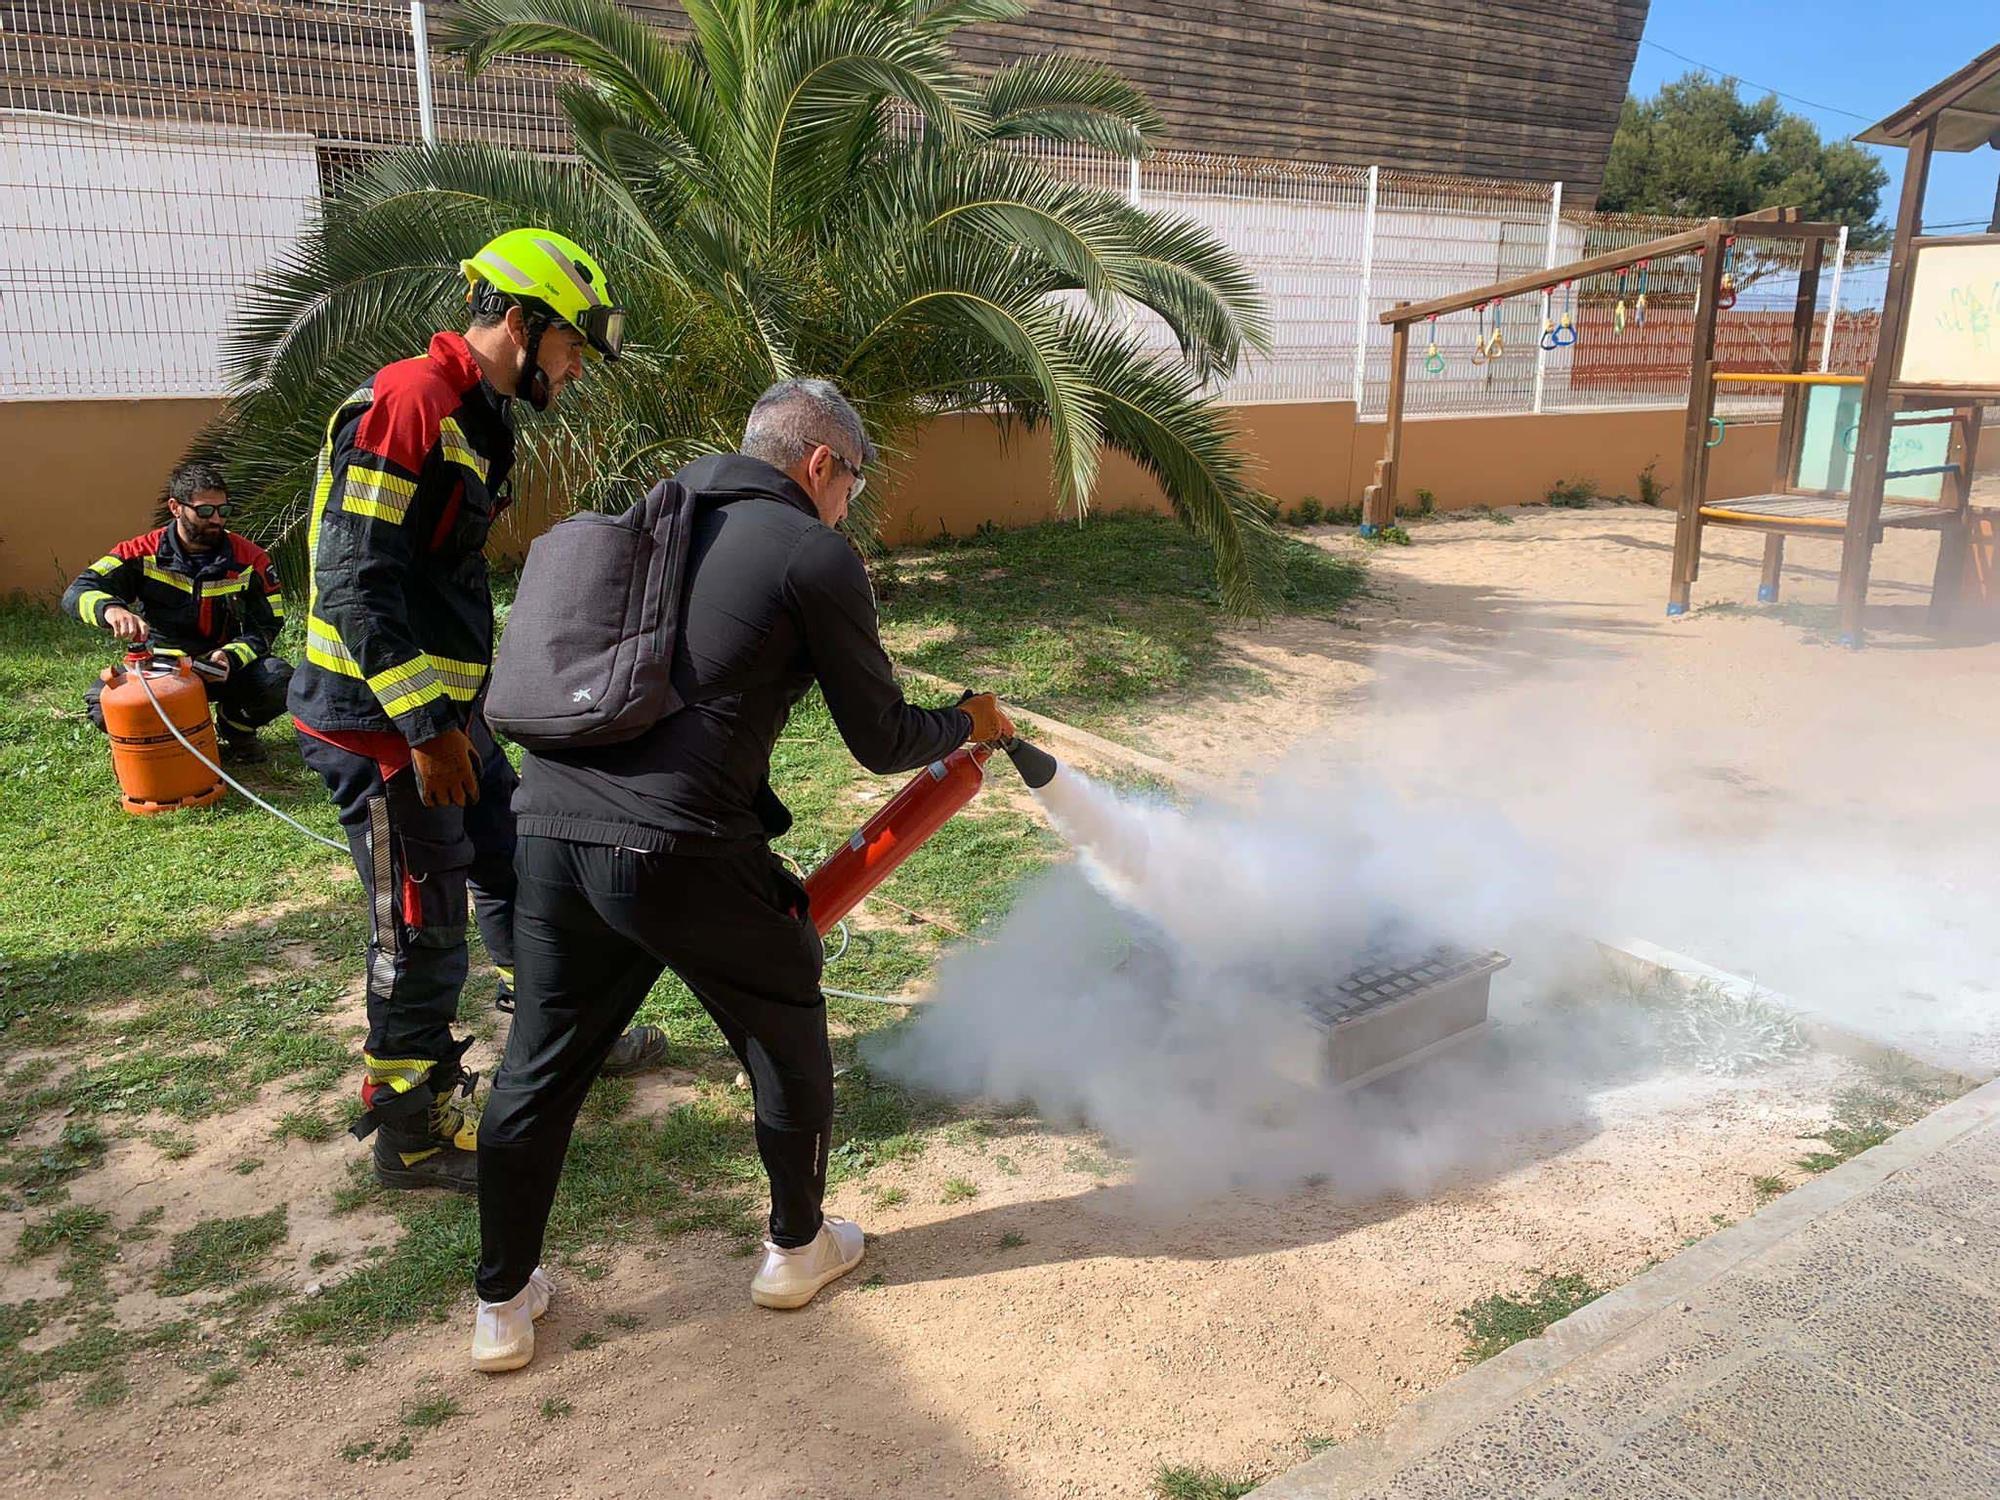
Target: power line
{"x":1725,"y":73}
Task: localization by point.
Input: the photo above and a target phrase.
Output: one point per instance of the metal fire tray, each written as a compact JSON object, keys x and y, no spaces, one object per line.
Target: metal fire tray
{"x":1400,"y":1008}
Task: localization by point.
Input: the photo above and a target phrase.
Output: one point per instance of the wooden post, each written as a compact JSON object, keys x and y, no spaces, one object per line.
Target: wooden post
{"x":1791,"y":426}
{"x":1957,"y":532}
{"x":1774,"y":568}
{"x":1871,"y":459}
{"x":1701,"y":406}
{"x":1378,"y":501}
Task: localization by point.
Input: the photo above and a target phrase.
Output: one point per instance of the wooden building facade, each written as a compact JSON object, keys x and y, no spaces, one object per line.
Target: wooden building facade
{"x":1520,"y":90}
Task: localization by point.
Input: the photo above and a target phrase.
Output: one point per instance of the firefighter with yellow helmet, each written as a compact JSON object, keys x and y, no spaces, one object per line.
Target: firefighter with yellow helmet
{"x":399,"y":640}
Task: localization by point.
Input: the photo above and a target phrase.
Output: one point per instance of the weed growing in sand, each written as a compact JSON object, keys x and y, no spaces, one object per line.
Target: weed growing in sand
{"x":590,"y":1338}
{"x":174,"y":1145}
{"x":1867,"y":1114}
{"x":554,"y":1408}
{"x":1389,"y":536}
{"x":624,"y":1322}
{"x":307,"y":1125}
{"x":432,"y":1413}
{"x":248,"y":1165}
{"x":220,"y":1252}
{"x":1189,"y":1482}
{"x":1572,"y":494}
{"x":103,"y":1391}
{"x":40,"y":1175}
{"x":1012,"y":1241}
{"x":1498,"y":1322}
{"x":958,"y":1189}
{"x":889,"y":1197}
{"x":1651,"y":491}
{"x":1768,"y":1187}
{"x":1007,"y":1165}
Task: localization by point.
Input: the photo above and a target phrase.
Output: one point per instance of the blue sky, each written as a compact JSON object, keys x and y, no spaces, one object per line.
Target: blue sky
{"x":1867,"y":56}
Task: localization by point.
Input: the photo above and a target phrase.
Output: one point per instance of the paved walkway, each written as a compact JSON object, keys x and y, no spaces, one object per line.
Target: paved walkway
{"x":1843,"y":1342}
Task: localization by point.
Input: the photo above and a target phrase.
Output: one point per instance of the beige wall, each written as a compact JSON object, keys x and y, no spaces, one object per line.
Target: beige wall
{"x":966,"y":470}
{"x":86,"y":474}
{"x":83,"y":475}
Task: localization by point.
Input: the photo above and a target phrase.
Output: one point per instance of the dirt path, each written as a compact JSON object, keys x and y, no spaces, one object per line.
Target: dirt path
{"x":1056,"y":1334}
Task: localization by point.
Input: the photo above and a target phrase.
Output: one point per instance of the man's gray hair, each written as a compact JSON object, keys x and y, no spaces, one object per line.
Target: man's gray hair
{"x":795,"y":416}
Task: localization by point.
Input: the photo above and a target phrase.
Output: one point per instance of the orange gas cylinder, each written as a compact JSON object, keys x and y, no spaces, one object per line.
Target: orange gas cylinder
{"x":155,"y":772}
{"x":919,"y":810}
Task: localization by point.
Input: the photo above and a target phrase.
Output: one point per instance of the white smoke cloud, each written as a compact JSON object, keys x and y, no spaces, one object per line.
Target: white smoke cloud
{"x":1155,"y":989}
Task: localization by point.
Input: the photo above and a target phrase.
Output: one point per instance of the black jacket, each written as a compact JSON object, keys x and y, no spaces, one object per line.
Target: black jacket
{"x":399,"y":631}
{"x":776,"y":601}
{"x":194,"y":602}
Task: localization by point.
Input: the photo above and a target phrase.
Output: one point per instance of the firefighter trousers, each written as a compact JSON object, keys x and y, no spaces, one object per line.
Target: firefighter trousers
{"x":596,"y":927}
{"x":416,"y":865}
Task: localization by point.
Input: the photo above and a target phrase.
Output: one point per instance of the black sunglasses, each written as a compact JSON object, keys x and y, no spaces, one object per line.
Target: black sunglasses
{"x":207,"y":512}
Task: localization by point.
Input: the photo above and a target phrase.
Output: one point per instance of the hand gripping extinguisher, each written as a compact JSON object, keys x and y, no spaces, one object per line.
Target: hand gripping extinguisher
{"x":924,"y":805}
{"x":155,"y":771}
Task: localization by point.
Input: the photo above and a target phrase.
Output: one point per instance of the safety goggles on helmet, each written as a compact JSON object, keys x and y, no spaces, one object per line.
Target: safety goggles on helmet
{"x":603,"y":328}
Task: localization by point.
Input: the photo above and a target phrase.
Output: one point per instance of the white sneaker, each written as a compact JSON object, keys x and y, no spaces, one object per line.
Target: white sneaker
{"x":503,"y":1333}
{"x":792,"y":1278}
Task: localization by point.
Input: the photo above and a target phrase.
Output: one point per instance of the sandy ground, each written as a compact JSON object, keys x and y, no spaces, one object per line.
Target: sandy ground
{"x":1114,"y":1335}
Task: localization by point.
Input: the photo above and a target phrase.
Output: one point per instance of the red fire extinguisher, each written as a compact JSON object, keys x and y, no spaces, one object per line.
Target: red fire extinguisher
{"x":924,"y":805}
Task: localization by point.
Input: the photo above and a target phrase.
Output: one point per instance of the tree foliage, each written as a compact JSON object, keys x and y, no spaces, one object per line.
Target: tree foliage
{"x":799,"y":187}
{"x":1698,"y":148}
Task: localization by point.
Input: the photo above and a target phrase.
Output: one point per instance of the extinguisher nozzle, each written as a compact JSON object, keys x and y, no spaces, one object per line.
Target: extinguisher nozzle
{"x":1037,"y":766}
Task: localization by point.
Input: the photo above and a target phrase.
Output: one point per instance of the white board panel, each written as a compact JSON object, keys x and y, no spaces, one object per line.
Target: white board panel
{"x":1954,"y":318}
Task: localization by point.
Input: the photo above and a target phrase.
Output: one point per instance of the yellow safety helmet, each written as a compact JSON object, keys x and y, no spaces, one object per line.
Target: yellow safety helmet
{"x":552,"y":275}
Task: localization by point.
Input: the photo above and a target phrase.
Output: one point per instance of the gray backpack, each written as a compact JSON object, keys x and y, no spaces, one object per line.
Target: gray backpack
{"x":587,"y":657}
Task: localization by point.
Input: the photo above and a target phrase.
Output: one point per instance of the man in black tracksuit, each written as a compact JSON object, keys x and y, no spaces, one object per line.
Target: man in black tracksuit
{"x":654,"y":854}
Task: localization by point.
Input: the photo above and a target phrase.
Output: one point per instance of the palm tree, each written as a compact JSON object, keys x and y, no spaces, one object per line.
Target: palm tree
{"x":798,"y":188}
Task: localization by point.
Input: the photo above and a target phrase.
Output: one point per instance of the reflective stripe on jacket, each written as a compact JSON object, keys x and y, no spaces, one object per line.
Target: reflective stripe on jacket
{"x":399,"y":624}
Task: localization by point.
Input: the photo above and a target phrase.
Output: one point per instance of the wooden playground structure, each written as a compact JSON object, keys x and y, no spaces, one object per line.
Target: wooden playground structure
{"x":1857,"y":453}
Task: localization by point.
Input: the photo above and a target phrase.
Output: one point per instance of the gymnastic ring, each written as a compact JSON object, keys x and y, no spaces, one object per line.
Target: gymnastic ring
{"x":1725,"y":299}
{"x":1550,"y":341}
{"x":1850,"y":437}
{"x":1434,"y":363}
{"x":1721,"y":431}
{"x":1561,"y":341}
{"x":1495,"y":348}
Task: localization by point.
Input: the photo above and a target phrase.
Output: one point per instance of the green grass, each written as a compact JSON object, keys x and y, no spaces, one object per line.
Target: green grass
{"x":958,"y":1189}
{"x":434,"y":1412}
{"x":1082,"y":622}
{"x":1012,"y":1240}
{"x":1190,"y":1482}
{"x":1767,"y":1187}
{"x":1866,"y":1114}
{"x":554,"y":1407}
{"x":220,"y":1252}
{"x":1497,"y":1322}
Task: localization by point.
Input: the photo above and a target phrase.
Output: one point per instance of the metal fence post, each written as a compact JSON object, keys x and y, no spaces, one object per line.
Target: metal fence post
{"x":1132,"y":180}
{"x":420,"y":41}
{"x":1833,"y":300}
{"x":1367,"y":294}
{"x":1548,"y":263}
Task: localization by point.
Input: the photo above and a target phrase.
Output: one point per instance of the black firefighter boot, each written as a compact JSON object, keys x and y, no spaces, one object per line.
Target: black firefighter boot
{"x":430,"y":1141}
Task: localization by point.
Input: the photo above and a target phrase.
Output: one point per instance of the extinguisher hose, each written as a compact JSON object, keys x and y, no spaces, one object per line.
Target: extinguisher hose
{"x":319,"y":838}
{"x":188,"y":746}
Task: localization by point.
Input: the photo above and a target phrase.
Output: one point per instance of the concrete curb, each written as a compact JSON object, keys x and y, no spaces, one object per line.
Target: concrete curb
{"x":1483,"y":1392}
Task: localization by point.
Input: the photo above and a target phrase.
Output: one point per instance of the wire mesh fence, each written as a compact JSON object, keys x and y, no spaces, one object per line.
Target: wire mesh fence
{"x":154,"y":159}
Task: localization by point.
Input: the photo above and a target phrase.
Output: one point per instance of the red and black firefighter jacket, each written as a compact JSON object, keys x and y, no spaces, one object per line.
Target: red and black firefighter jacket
{"x":195,"y":602}
{"x":399,"y":627}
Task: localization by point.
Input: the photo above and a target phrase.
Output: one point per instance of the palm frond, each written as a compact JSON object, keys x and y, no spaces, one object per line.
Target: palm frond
{"x":803,"y":95}
{"x":1072,"y":100}
{"x":635,"y":63}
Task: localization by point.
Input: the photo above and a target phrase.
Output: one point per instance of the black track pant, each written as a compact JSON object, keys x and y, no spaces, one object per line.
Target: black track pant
{"x":594,"y":928}
{"x":416,"y":864}
{"x":248,"y":698}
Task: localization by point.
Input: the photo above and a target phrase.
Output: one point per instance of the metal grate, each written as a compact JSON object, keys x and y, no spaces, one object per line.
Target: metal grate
{"x":1387,"y":979}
